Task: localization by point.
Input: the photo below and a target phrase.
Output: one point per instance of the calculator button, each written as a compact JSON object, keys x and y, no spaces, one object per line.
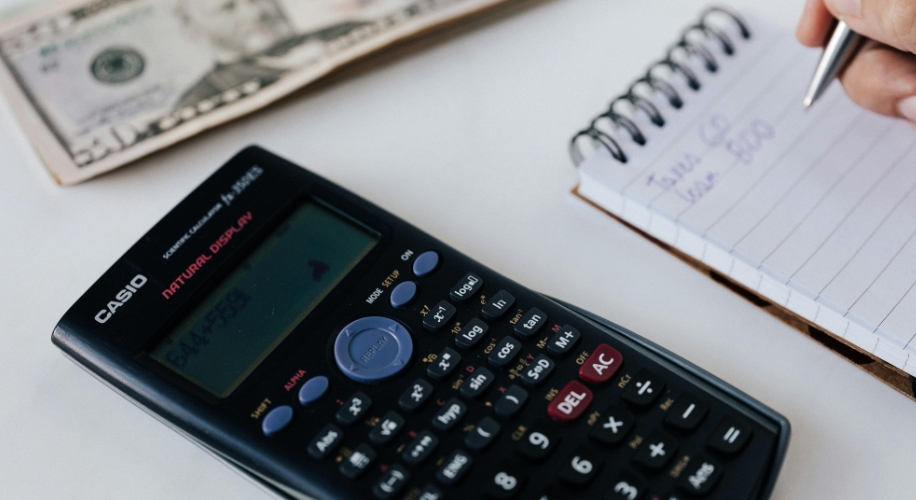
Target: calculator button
{"x":570,"y":402}
{"x":627,"y":486}
{"x":504,"y":352}
{"x":511,"y":402}
{"x":313,"y":389}
{"x":449,"y":415}
{"x":416,"y":395}
{"x":466,"y":288}
{"x":553,"y":492}
{"x":484,"y":433}
{"x":581,"y":468}
{"x":686,"y":413}
{"x":643,"y":389}
{"x":387,"y":428}
{"x":425,"y":263}
{"x":372,"y":348}
{"x":729,"y":437}
{"x":358,"y":461}
{"x":498,"y":305}
{"x":477,"y":383}
{"x":538,"y":371}
{"x":540,"y":442}
{"x":471,"y":334}
{"x":506,"y":481}
{"x":326,"y":441}
{"x":354,"y":408}
{"x":391,"y":483}
{"x":430,"y":492}
{"x":403,"y":294}
{"x":439,"y":316}
{"x":656,"y":450}
{"x":444,"y":364}
{"x":277,"y":420}
{"x":700,"y":476}
{"x":531,"y":322}
{"x":564,"y":341}
{"x":601,"y":365}
{"x":613,"y":426}
{"x":420,"y":448}
{"x":454,"y":468}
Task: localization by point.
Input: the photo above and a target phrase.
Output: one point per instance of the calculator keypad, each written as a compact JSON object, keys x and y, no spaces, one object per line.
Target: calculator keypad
{"x":566,"y":412}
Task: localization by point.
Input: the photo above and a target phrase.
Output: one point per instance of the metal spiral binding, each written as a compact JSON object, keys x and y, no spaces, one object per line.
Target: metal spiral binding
{"x":637,"y":102}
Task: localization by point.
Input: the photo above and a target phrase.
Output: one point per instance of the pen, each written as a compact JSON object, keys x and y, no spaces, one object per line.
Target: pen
{"x":839,"y":51}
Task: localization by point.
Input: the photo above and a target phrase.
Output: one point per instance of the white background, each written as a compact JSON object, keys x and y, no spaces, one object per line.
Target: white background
{"x":465,"y":138}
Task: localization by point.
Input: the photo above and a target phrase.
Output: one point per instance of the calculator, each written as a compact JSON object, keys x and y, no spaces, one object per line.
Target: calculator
{"x":327,"y":349}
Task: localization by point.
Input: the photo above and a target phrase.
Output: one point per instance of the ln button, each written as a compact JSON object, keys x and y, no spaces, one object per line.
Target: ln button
{"x":601,"y":365}
{"x":570,"y":402}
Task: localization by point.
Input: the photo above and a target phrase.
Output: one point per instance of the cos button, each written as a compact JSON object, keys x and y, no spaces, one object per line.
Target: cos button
{"x":372,"y":348}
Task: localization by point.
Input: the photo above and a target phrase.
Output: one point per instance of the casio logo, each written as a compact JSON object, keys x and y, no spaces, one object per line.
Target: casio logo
{"x":120,"y":298}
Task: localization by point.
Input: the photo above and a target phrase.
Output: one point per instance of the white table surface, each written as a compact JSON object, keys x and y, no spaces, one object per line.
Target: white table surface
{"x":466,"y":139}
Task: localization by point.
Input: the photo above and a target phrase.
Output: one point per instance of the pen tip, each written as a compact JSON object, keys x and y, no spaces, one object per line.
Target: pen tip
{"x":809,"y":101}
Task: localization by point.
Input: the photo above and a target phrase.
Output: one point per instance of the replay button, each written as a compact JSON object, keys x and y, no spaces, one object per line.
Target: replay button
{"x":372,"y":348}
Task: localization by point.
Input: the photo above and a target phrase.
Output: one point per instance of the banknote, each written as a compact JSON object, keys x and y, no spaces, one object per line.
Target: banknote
{"x":98,"y":84}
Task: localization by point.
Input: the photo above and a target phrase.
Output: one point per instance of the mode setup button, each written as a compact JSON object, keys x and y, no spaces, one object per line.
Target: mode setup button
{"x":372,"y":348}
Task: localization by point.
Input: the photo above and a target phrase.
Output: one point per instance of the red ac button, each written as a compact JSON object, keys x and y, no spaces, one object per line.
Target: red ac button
{"x":601,"y":365}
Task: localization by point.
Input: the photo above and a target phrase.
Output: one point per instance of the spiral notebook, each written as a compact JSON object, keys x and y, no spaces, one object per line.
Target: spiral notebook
{"x":810,"y":214}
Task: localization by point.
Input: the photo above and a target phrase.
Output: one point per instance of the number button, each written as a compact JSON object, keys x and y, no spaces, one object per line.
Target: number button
{"x":354,"y":408}
{"x":389,"y":427}
{"x":538,"y":371}
{"x":420,"y":448}
{"x":506,"y":482}
{"x":477,"y":383}
{"x":466,"y":288}
{"x":628,"y":486}
{"x":511,"y":402}
{"x":471,"y":334}
{"x":531,"y":323}
{"x":540,"y":442}
{"x":454,"y":468}
{"x":645,"y":388}
{"x":504,"y":352}
{"x":564,"y":341}
{"x":581,"y":468}
{"x":686,"y":413}
{"x":416,"y":395}
{"x":498,"y":305}
{"x":601,"y":365}
{"x":449,"y":415}
{"x":439,"y":316}
{"x":444,"y":364}
{"x":430,"y":492}
{"x":570,"y":402}
{"x":613,"y":426}
{"x":483,"y":434}
{"x":656,"y":451}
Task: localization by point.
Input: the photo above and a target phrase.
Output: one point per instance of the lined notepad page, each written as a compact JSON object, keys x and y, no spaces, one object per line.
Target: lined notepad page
{"x":815,"y":210}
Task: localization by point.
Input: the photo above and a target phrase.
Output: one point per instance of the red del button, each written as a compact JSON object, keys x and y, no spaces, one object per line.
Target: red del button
{"x":601,"y":365}
{"x":570,"y":402}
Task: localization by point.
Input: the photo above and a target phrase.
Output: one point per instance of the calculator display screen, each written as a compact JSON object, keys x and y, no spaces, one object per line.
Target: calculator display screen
{"x":234,"y":328}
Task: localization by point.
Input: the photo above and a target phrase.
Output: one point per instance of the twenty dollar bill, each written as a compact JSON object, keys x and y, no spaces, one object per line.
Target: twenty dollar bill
{"x":97,"y":84}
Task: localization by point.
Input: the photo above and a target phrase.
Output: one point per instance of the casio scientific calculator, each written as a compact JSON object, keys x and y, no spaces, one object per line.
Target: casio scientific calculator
{"x":330,"y":350}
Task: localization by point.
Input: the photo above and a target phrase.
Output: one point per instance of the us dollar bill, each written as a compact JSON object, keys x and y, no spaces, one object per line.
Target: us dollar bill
{"x":98,"y":84}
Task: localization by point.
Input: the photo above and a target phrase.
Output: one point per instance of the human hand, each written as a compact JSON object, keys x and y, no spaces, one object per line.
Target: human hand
{"x":882,"y":76}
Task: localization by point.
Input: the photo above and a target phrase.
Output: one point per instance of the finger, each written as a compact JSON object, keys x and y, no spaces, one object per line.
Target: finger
{"x":814,"y":25}
{"x":882,"y":79}
{"x":890,"y":21}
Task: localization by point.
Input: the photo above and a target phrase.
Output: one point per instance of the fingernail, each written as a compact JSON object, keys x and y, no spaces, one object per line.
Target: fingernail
{"x":848,"y":7}
{"x":907,"y":108}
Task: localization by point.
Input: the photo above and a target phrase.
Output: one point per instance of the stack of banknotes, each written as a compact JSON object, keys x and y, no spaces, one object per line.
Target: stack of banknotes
{"x":98,"y":84}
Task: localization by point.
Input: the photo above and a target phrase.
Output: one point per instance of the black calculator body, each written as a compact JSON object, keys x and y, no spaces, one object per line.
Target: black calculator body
{"x":330,"y":350}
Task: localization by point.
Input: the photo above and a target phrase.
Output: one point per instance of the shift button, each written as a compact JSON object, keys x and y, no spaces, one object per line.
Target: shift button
{"x":276,"y":420}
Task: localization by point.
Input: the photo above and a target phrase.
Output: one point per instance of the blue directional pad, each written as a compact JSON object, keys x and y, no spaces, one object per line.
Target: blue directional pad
{"x":372,"y":348}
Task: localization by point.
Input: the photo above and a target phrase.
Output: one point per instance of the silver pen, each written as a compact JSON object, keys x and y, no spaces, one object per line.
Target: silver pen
{"x":839,"y":51}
